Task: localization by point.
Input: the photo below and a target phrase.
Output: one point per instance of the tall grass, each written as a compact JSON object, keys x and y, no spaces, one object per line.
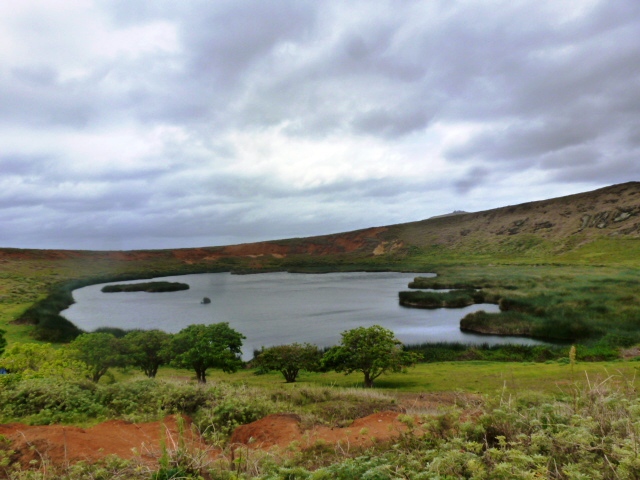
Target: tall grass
{"x":548,"y":302}
{"x":458,"y":351}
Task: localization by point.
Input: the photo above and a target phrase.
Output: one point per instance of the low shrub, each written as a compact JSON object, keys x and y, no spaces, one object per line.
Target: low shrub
{"x":43,"y":401}
{"x":218,"y":419}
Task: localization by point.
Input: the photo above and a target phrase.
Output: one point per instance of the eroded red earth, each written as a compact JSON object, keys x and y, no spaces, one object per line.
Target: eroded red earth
{"x":63,"y":445}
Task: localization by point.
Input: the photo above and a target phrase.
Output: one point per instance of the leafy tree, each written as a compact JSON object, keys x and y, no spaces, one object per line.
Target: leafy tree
{"x":148,"y":350}
{"x":35,"y":360}
{"x":100,"y":351}
{"x":3,"y":341}
{"x":208,"y":346}
{"x":372,"y":351}
{"x":289,"y":359}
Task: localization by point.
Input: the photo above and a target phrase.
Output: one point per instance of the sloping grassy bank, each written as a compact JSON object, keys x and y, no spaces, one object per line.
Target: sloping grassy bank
{"x":558,"y":303}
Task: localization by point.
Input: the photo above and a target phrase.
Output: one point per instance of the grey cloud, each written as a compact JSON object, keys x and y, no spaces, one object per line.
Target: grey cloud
{"x":579,"y":157}
{"x":607,"y":171}
{"x":524,"y":141}
{"x":38,"y":99}
{"x":241,"y":35}
{"x":22,"y":164}
{"x":558,"y":99}
{"x":476,"y":177}
{"x":393,"y":122}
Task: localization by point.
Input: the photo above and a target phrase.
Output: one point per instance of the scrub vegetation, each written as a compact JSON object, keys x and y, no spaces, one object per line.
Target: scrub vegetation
{"x":590,"y":305}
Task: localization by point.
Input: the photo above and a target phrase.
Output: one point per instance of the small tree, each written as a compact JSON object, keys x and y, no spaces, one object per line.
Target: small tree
{"x":289,"y":359}
{"x":372,"y":351}
{"x":148,"y":350}
{"x":208,"y":346}
{"x":100,"y":351}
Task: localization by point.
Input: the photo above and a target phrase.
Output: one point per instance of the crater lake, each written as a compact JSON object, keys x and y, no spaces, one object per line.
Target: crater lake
{"x":279,"y":308}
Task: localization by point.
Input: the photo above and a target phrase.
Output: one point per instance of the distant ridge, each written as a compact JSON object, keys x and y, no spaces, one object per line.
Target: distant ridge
{"x":455,"y":212}
{"x":607,"y":212}
{"x":566,"y":222}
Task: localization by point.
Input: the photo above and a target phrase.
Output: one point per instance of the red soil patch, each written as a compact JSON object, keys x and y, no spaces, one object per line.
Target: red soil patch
{"x":61,"y":445}
{"x":282,"y":430}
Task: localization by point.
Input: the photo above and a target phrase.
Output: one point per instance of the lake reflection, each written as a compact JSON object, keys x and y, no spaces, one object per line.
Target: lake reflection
{"x":279,"y":308}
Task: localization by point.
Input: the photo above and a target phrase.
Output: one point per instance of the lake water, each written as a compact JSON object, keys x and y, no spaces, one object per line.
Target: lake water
{"x":279,"y":308}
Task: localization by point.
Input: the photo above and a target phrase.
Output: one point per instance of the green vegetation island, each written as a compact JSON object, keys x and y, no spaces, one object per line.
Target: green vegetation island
{"x":565,"y":270}
{"x":151,"y":287}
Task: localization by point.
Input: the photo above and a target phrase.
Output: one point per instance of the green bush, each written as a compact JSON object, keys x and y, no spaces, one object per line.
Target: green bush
{"x":223,"y":416}
{"x":46,"y":401}
{"x":186,"y":398}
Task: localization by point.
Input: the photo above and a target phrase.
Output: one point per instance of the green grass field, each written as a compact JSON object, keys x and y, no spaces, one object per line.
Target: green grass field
{"x":472,"y":377}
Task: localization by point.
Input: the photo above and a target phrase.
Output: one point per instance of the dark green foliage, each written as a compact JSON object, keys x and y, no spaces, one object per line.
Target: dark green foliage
{"x":372,"y":351}
{"x":100,"y":351}
{"x":455,"y":351}
{"x":148,"y":350}
{"x":433,"y":283}
{"x":505,"y":323}
{"x":115,"y":331}
{"x":453,"y":299}
{"x":55,"y":328}
{"x":628,"y":339}
{"x":200,"y":347}
{"x":288,"y":359}
{"x":568,"y":326}
{"x":50,"y":326}
{"x":3,"y":341}
{"x":151,"y":287}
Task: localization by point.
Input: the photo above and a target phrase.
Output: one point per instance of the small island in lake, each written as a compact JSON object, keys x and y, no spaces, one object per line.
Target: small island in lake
{"x":153,"y":287}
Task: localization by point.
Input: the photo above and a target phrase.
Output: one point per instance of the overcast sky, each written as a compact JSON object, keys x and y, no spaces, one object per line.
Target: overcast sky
{"x":155,"y":124}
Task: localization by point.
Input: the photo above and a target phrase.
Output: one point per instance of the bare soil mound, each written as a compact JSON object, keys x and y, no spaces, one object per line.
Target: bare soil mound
{"x":62,"y":445}
{"x":282,"y":430}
